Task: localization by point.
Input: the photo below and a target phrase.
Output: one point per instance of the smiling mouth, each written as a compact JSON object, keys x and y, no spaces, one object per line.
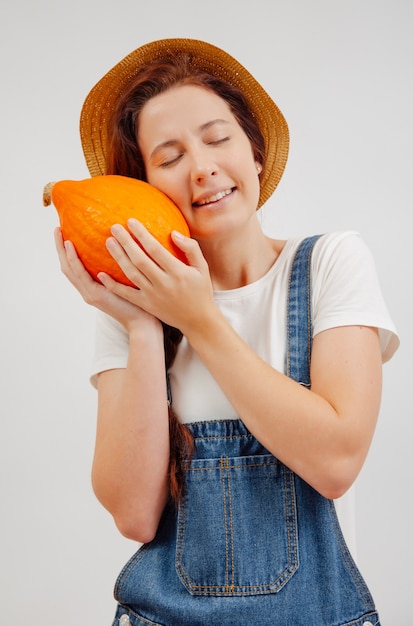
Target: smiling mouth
{"x":214,"y":198}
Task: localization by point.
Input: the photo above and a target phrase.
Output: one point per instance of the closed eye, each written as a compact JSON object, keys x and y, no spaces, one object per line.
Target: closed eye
{"x":172,"y":161}
{"x":218,"y":141}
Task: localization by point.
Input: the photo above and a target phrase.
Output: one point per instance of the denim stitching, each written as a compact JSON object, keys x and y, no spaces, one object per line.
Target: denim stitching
{"x":360,"y":621}
{"x":129,"y":566}
{"x":290,"y":513}
{"x":232,"y":466}
{"x":348,"y":559}
{"x":212,"y":437}
{"x":293,"y":556}
{"x":231,"y":526}
{"x":180,"y":539}
{"x":302,"y":256}
{"x":137,"y":616}
{"x":309,"y":314}
{"x":224,"y":496}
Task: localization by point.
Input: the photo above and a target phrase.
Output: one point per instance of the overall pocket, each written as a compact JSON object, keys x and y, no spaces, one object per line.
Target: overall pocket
{"x":237,"y":527}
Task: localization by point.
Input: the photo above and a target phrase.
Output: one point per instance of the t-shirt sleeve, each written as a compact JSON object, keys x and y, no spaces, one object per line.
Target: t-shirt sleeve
{"x":111,"y":346}
{"x":346,"y":289}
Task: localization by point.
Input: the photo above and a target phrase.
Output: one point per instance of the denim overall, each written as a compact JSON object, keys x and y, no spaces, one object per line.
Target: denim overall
{"x":251,"y":543}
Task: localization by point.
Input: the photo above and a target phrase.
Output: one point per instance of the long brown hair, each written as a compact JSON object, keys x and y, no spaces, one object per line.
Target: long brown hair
{"x":125,"y":158}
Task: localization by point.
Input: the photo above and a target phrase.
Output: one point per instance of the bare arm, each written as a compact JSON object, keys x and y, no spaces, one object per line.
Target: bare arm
{"x":131,"y":458}
{"x":130,"y":467}
{"x":322,"y":434}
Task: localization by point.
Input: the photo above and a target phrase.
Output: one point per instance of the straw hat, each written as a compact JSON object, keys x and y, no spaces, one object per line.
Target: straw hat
{"x":204,"y":56}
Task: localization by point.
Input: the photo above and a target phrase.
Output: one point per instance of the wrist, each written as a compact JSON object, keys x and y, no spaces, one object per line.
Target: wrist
{"x":146,"y":329}
{"x":205,"y":330}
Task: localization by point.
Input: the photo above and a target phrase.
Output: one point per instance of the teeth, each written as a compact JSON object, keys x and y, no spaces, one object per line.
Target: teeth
{"x":214,"y":198}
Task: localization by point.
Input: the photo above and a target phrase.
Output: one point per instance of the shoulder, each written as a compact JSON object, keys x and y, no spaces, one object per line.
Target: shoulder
{"x":346,"y":289}
{"x":330,"y":247}
{"x":340,"y":240}
{"x":341,"y":261}
{"x":342,"y":250}
{"x":344,"y":253}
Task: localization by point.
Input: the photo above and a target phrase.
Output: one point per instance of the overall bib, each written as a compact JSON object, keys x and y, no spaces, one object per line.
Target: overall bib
{"x":251,"y":543}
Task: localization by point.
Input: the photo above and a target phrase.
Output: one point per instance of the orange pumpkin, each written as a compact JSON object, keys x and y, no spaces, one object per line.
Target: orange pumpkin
{"x":88,"y":208}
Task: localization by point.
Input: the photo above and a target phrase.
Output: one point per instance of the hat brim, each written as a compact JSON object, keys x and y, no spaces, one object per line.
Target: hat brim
{"x":101,"y":100}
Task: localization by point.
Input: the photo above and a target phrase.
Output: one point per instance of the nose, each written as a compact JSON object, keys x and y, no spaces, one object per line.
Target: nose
{"x":202,"y":167}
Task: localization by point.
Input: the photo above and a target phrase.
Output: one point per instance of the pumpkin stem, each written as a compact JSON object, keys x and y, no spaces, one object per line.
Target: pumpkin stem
{"x":47,"y":194}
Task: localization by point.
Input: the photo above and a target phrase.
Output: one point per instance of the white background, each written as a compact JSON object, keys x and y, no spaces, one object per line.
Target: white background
{"x":341,"y":71}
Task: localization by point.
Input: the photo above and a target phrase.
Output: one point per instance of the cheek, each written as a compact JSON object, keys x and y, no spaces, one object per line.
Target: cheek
{"x":251,"y":183}
{"x":168,"y":186}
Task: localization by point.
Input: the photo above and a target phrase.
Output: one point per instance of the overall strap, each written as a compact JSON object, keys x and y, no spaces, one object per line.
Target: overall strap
{"x":299,"y":317}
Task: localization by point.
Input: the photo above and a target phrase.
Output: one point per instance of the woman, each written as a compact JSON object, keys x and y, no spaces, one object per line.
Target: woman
{"x":213,"y":449}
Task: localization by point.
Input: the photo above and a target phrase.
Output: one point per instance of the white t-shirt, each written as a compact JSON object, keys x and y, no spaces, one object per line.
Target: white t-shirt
{"x":345,"y":292}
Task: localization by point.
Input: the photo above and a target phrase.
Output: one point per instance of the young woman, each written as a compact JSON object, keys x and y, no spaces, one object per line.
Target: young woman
{"x":221,"y":445}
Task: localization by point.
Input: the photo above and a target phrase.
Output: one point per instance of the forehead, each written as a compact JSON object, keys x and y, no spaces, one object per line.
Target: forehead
{"x":188,"y":105}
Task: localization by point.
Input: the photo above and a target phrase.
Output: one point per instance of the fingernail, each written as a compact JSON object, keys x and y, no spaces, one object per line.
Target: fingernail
{"x":111,"y":243}
{"x":178,"y":235}
{"x":116,"y":229}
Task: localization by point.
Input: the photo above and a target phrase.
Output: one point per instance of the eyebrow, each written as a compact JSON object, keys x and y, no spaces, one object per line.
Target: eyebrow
{"x":174,"y":142}
{"x":212,"y":123}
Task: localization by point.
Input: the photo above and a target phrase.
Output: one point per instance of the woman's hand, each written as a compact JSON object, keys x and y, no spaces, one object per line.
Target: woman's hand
{"x":91,"y":291}
{"x":178,"y":294}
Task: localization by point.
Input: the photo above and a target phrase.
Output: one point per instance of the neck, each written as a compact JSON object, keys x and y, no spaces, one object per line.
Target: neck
{"x":236,"y":261}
